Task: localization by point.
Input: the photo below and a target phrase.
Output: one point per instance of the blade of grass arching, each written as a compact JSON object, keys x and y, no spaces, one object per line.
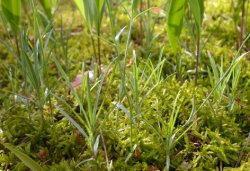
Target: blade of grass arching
{"x":29,"y":162}
{"x":12,"y":11}
{"x":175,"y":21}
{"x":81,"y":121}
{"x":184,"y":131}
{"x":121,"y":107}
{"x":80,"y":129}
{"x":67,"y":80}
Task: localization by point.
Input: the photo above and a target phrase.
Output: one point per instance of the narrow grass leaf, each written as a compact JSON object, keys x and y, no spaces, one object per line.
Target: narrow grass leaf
{"x":97,"y":140}
{"x":30,"y":163}
{"x":73,"y":122}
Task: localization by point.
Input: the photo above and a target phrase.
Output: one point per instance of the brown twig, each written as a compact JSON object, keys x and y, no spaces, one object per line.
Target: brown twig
{"x":197,"y":56}
{"x":104,"y":148}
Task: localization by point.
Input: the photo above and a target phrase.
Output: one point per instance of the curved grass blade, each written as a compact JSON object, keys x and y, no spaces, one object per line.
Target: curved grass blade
{"x":80,"y":129}
{"x":30,"y":163}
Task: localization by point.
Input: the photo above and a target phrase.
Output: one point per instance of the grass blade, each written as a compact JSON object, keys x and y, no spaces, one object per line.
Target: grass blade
{"x":73,"y":122}
{"x":30,"y":163}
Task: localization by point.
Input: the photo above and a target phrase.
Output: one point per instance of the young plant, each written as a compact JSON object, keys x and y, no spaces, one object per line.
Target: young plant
{"x":87,"y":120}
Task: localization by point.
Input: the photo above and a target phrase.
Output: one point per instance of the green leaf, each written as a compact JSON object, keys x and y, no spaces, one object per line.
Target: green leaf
{"x":175,"y":21}
{"x":30,"y":163}
{"x":202,"y":9}
{"x":12,"y":12}
{"x":80,"y":6}
{"x":80,"y":129}
{"x":197,"y":9}
{"x":92,"y":11}
{"x":48,"y":6}
{"x":135,"y":4}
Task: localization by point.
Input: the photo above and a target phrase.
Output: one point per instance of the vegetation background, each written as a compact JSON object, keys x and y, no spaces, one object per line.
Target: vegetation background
{"x":124,"y":85}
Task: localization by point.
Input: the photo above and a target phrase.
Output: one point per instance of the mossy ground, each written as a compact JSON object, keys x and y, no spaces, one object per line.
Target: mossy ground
{"x":218,"y":138}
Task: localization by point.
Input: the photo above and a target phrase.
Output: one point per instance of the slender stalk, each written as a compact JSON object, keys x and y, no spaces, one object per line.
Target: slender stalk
{"x":104,"y":148}
{"x":93,"y":45}
{"x":141,"y":23}
{"x":99,"y":53}
{"x":242,"y":24}
{"x":197,"y":56}
{"x":17,"y":46}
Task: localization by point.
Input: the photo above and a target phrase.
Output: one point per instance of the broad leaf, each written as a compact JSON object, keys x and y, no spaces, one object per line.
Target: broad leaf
{"x":12,"y":12}
{"x":30,"y":163}
{"x":197,"y":9}
{"x":175,"y":21}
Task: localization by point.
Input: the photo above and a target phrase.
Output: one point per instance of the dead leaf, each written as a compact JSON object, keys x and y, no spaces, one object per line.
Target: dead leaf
{"x":77,"y":82}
